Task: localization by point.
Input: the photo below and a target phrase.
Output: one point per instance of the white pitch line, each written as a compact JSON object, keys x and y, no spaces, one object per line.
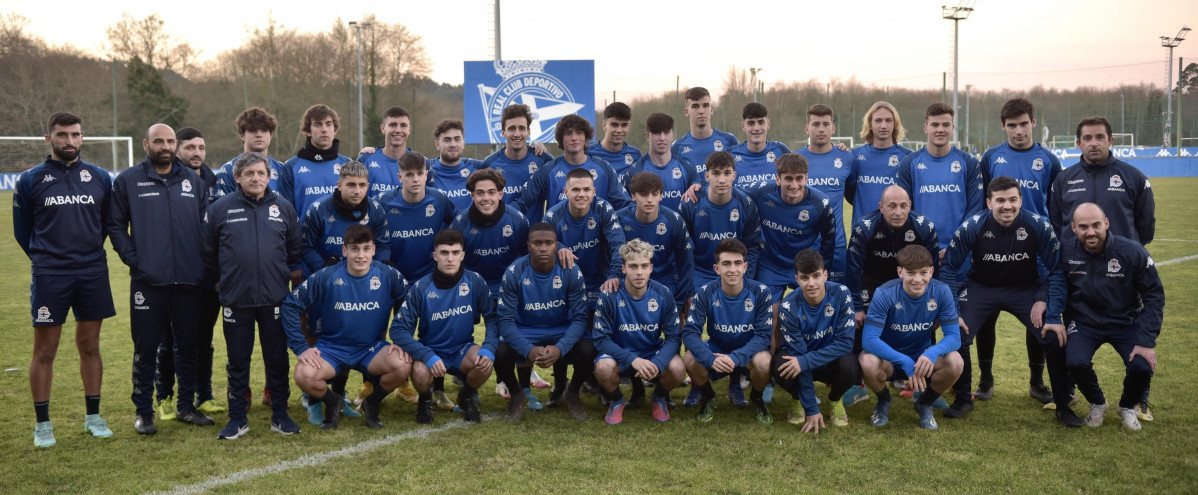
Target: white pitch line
{"x":1177,"y":240}
{"x":312,"y":459}
{"x":1178,"y":260}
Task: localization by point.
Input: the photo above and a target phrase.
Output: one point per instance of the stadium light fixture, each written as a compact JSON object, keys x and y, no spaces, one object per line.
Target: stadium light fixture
{"x":956,"y":14}
{"x":1171,"y":43}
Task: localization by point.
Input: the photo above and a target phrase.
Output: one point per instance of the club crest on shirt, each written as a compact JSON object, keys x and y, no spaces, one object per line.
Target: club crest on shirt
{"x":677,"y":173}
{"x":1021,"y":234}
{"x":532,"y":168}
{"x":894,"y":161}
{"x":591,"y":223}
{"x":864,"y":295}
{"x":464,"y":173}
{"x":963,"y":296}
{"x":228,"y":312}
{"x":274,"y":211}
{"x":1038,"y":164}
{"x":837,"y":163}
{"x":464,"y":289}
{"x":956,"y":166}
{"x":274,"y":174}
{"x":621,"y":304}
{"x":661,"y":229}
{"x":735,"y":215}
{"x":804,"y":216}
{"x":365,"y":220}
{"x":748,"y":305}
{"x":138,"y":298}
{"x":375,"y":283}
{"x":507,"y":230}
{"x":557,"y":282}
{"x":932,"y":305}
{"x":909,"y":236}
{"x":430,"y":210}
{"x":1116,"y":181}
{"x":1113,"y":266}
{"x":628,"y":159}
{"x":336,"y":168}
{"x":85,"y":176}
{"x":653,"y":305}
{"x":769,"y":157}
{"x":829,"y":310}
{"x":594,"y":174}
{"x":186,"y":184}
{"x":719,"y":145}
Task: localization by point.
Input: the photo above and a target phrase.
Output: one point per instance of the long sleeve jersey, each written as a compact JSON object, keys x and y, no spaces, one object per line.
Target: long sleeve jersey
{"x":1034,"y":168}
{"x":710,"y":223}
{"x":816,"y":335}
{"x":740,"y":325}
{"x":946,"y":189}
{"x":757,"y":167}
{"x":874,"y":171}
{"x":490,"y":249}
{"x":413,"y":227}
{"x":830,"y":172}
{"x":383,"y":172}
{"x":537,"y":307}
{"x":155,"y":222}
{"x":899,"y":328}
{"x":433,"y":322}
{"x":1118,"y":287}
{"x":356,"y":311}
{"x":1123,"y":192}
{"x":696,"y":150}
{"x":546,"y":188}
{"x":673,"y":251}
{"x":595,"y":239}
{"x":872,"y":252}
{"x":323,"y":226}
{"x":619,"y":160}
{"x":787,"y":229}
{"x":58,"y":215}
{"x":310,"y":174}
{"x":676,"y":177}
{"x":647,"y":327}
{"x":517,"y":173}
{"x":452,"y":180}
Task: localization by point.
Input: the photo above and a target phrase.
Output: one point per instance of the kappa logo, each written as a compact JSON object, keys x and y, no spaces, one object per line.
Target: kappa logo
{"x":621,"y":304}
{"x":677,"y":173}
{"x":395,"y":211}
{"x":375,"y":283}
{"x":661,"y":228}
{"x":702,"y":213}
{"x":988,"y":235}
{"x":557,"y":282}
{"x":527,"y":281}
{"x":734,"y":216}
{"x":431,"y":295}
{"x":429,"y":210}
{"x":932,"y":305}
{"x":909,"y":236}
{"x":687,"y":149}
{"x":921,"y":166}
{"x":591,"y":223}
{"x":374,"y":164}
{"x":628,"y":159}
{"x":898,"y":305}
{"x":1116,"y":181}
{"x":302,"y":170}
{"x":339,"y":281}
{"x":748,"y":305}
{"x":864,"y":295}
{"x":330,"y":219}
{"x":336,"y":167}
{"x":85,"y":176}
{"x":804,"y":216}
{"x":837,"y":163}
{"x":719,"y":145}
{"x":879,"y":235}
{"x":186,"y":185}
{"x":955,"y":167}
{"x":1113,"y":266}
{"x":48,"y":178}
{"x":1038,"y":164}
{"x":1021,"y":234}
{"x":894,"y":161}
{"x":769,"y":157}
{"x":473,"y":231}
{"x":464,"y":172}
{"x":43,"y":314}
{"x":860,"y":158}
{"x":507,"y":230}
{"x":1003,"y":160}
{"x":274,"y":211}
{"x":652,"y":305}
{"x":138,"y":298}
{"x":463,"y":290}
{"x":716,"y":303}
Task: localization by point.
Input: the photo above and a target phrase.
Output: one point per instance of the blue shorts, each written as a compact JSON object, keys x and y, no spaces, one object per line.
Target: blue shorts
{"x":629,"y":370}
{"x":453,"y":358}
{"x":89,"y":297}
{"x":357,"y":358}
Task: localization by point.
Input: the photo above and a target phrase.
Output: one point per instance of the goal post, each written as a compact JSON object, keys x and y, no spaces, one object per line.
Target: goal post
{"x":20,"y":153}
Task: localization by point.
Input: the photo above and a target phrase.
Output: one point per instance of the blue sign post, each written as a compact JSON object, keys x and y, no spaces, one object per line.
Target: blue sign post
{"x":551,"y":88}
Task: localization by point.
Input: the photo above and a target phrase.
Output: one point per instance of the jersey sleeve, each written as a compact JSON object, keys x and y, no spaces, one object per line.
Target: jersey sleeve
{"x":827,"y":233}
{"x":22,"y":211}
{"x":902,"y":177}
{"x":1145,"y":212}
{"x":506,"y":310}
{"x":382,"y":236}
{"x":604,"y":324}
{"x":614,"y":234}
{"x":616,"y":194}
{"x":975,"y":192}
{"x":843,"y":327}
{"x":796,"y":344}
{"x":959,"y":250}
{"x":287,"y":180}
{"x":670,"y":326}
{"x":576,"y":301}
{"x":313,"y":230}
{"x":534,"y":191}
{"x":871,"y":335}
{"x":118,"y":223}
{"x":751,"y":236}
{"x":297,"y":302}
{"x":855,"y":264}
{"x":692,"y":330}
{"x":403,"y":327}
{"x":949,"y":325}
{"x":763,"y":327}
{"x":684,"y":253}
{"x":1049,"y":252}
{"x":485,"y":306}
{"x":1152,"y":294}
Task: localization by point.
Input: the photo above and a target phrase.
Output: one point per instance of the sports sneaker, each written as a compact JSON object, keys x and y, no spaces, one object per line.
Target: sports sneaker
{"x":839,"y":416}
{"x":166,"y":408}
{"x":661,"y":410}
{"x":515,"y":407}
{"x":796,"y":415}
{"x":1052,"y":406}
{"x":1128,"y":415}
{"x":906,"y":391}
{"x":938,"y":404}
{"x":762,"y":413}
{"x":853,"y":395}
{"x":693,"y":397}
{"x":347,"y":409}
{"x":1143,"y":411}
{"x":706,"y":411}
{"x":192,"y":416}
{"x":470,"y":408}
{"x":985,"y":391}
{"x":442,"y":400}
{"x":538,"y":382}
{"x":144,"y":424}
{"x":210,"y":407}
{"x":615,"y":412}
{"x":1040,"y":392}
{"x":407,"y":393}
{"x":926,"y":420}
{"x":92,"y":423}
{"x":315,"y":411}
{"x":881,"y":415}
{"x":332,"y":410}
{"x":502,"y":391}
{"x":959,"y":409}
{"x":424,"y":411}
{"x":457,"y":408}
{"x":533,"y":402}
{"x":1069,"y":418}
{"x":234,"y":430}
{"x":283,"y":424}
{"x":574,"y":406}
{"x":736,"y":394}
{"x":43,"y":435}
{"x":767,"y":395}
{"x":364,"y":391}
{"x":1094,"y":419}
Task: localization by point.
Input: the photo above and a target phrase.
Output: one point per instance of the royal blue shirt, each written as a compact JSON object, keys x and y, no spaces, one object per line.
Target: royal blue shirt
{"x":740,"y":325}
{"x":490,"y":249}
{"x":537,"y":307}
{"x":676,"y":177}
{"x":517,"y":173}
{"x":673,"y":252}
{"x":647,"y":327}
{"x":787,"y":229}
{"x":619,"y":160}
{"x":412,"y":229}
{"x":301,"y":180}
{"x":696,"y":150}
{"x":226,"y":183}
{"x":452,"y":180}
{"x":549,"y":184}
{"x":383,"y":172}
{"x":830,"y":173}
{"x":946,"y":189}
{"x":874,"y":171}
{"x":710,"y":223}
{"x":323,"y":227}
{"x":595,"y":239}
{"x":752,"y":168}
{"x":899,"y":328}
{"x":355,"y":311}
{"x":1034,"y":168}
{"x":816,"y":335}
{"x":434,"y":322}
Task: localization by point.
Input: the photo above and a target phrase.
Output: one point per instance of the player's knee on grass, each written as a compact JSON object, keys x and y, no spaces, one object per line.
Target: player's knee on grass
{"x":607,"y":373}
{"x":674,"y":373}
{"x":422,"y":378}
{"x":950,"y":364}
{"x":760,"y":364}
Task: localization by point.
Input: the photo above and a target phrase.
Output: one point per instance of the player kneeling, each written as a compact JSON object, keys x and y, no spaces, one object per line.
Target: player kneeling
{"x":815,"y":342}
{"x":355,"y":298}
{"x":629,"y":328}
{"x":737,"y":315}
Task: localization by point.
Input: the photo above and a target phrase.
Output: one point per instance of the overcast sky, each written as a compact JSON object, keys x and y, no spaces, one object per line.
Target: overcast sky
{"x":639,"y":47}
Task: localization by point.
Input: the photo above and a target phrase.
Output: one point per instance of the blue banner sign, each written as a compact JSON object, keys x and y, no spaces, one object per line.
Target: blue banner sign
{"x":551,"y":88}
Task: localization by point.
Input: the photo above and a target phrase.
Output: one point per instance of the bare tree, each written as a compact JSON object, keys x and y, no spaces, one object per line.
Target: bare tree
{"x":149,"y":40}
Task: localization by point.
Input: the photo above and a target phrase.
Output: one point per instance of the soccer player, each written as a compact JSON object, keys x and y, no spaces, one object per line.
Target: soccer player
{"x":702,"y":139}
{"x":637,"y":334}
{"x":252,"y":238}
{"x":519,"y":160}
{"x":829,"y":169}
{"x":58,"y":214}
{"x":1005,"y":244}
{"x":314,"y":170}
{"x":617,"y":120}
{"x":814,"y":339}
{"x":755,"y":157}
{"x":329,"y":216}
{"x":543,"y":316}
{"x":384,"y":162}
{"x":662,"y":228}
{"x":725,"y":212}
{"x":356,"y":297}
{"x":944,"y":183}
{"x":677,"y":174}
{"x":590,"y":229}
{"x":444,"y":306}
{"x":794,"y":217}
{"x":897,"y":339}
{"x":877,"y":160}
{"x":255,"y":127}
{"x":572,"y":133}
{"x":450,"y":170}
{"x":495,"y":234}
{"x":192,"y":151}
{"x":736,"y":315}
{"x":154,"y":222}
{"x":1114,"y":296}
{"x":415,"y":213}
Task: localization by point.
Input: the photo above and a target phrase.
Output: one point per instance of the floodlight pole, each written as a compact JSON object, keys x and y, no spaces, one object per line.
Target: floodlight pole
{"x":1171,"y":43}
{"x":753,"y":72}
{"x":358,"y":34}
{"x":498,"y":52}
{"x":956,"y":14}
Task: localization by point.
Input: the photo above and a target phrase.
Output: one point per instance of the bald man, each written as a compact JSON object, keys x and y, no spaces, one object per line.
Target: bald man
{"x":154,"y":222}
{"x":1114,"y":297}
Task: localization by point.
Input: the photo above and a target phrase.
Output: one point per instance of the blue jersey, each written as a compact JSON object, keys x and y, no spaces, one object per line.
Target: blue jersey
{"x":740,"y":325}
{"x":549,"y":185}
{"x":1034,"y":168}
{"x":900,"y":328}
{"x":619,"y":160}
{"x":787,"y":229}
{"x":673,"y":252}
{"x":710,"y":223}
{"x":872,"y":252}
{"x":517,"y":173}
{"x":757,"y":167}
{"x":696,"y":150}
{"x":816,"y":335}
{"x":384,"y":172}
{"x":946,"y":189}
{"x":830,"y":173}
{"x":537,"y":307}
{"x":434,"y":322}
{"x":452,"y":180}
{"x":490,"y":249}
{"x":226,"y":183}
{"x":628,"y":327}
{"x":302,"y":180}
{"x":323,"y":227}
{"x":873,"y":171}
{"x":58,"y":215}
{"x":355,"y":311}
{"x":676,"y":177}
{"x":413,"y":227}
{"x":595,"y":239}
